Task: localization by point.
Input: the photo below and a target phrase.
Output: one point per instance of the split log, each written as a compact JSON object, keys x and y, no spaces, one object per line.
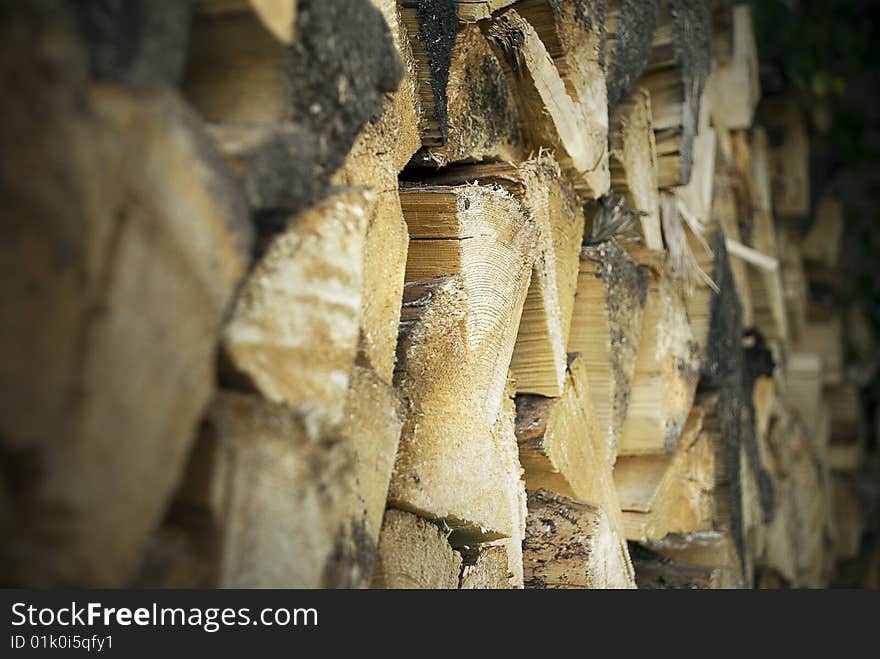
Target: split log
{"x":539,"y":356}
{"x":484,"y":568}
{"x":666,"y":371}
{"x":239,"y":73}
{"x":630,"y":26}
{"x":468,"y":110}
{"x":606,"y":328}
{"x":716,"y":315}
{"x":698,"y":193}
{"x":458,"y":460}
{"x":293,"y":333}
{"x":414,"y":553}
{"x":669,"y":492}
{"x":106,"y":254}
{"x":459,"y":468}
{"x":373,"y":421}
{"x":735,"y":85}
{"x":556,"y":89}
{"x":569,"y":544}
{"x":251,"y":450}
{"x":397,"y":131}
{"x":789,"y":154}
{"x":735,"y":491}
{"x":675,"y":76}
{"x":573,"y":34}
{"x":373,"y":163}
{"x":633,"y":162}
{"x":561,"y":448}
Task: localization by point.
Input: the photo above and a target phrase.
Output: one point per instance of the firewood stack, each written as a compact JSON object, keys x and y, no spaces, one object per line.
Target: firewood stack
{"x":415,"y":294}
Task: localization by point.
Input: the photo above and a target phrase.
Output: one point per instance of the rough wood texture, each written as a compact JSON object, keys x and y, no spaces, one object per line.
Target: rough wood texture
{"x":237,"y":72}
{"x":293,"y":333}
{"x":381,"y":150}
{"x":457,"y":460}
{"x":574,"y":36}
{"x":569,"y":544}
{"x":484,"y":568}
{"x":469,"y":110}
{"x":630,"y":26}
{"x":414,"y":553}
{"x":675,"y":76}
{"x":554,"y":114}
{"x":698,"y":193}
{"x":373,"y":421}
{"x":282,"y":499}
{"x":634,"y":162}
{"x":666,"y":371}
{"x":113,"y":288}
{"x":605,"y":330}
{"x":539,"y":356}
{"x":668,"y":493}
{"x":561,"y":448}
{"x":735,"y":85}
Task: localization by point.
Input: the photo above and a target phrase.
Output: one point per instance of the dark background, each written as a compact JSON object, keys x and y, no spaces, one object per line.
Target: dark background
{"x":827,"y":52}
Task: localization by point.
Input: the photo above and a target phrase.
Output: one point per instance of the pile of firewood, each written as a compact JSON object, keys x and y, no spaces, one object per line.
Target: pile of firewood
{"x":414,"y":294}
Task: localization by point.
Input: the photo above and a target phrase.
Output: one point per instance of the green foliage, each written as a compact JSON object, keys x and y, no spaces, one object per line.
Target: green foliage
{"x":815,"y":43}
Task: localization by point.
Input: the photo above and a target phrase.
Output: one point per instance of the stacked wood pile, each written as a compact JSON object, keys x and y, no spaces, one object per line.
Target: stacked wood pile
{"x":414,"y":294}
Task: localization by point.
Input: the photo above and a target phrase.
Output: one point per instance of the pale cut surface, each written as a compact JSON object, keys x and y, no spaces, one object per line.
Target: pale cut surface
{"x":458,"y":458}
{"x":282,"y":498}
{"x":606,"y":328}
{"x":561,"y":448}
{"x":668,"y":493}
{"x":633,"y":162}
{"x":414,"y":553}
{"x":294,"y":328}
{"x":539,"y":356}
{"x":666,"y":371}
